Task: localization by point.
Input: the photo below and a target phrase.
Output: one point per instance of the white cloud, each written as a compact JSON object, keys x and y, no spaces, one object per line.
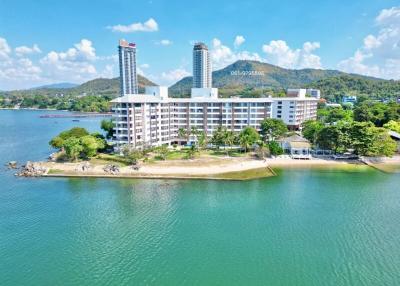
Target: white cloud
{"x":222,"y":55}
{"x":144,"y":66}
{"x":389,"y":17}
{"x":15,"y":72}
{"x":279,"y":53}
{"x":107,"y":72}
{"x":371,"y":42}
{"x":149,"y":26}
{"x":165,"y":42}
{"x":174,"y":75}
{"x":4,"y":49}
{"x":238,"y":41}
{"x":76,"y":64}
{"x":25,"y":50}
{"x":21,"y":69}
{"x":379,"y":55}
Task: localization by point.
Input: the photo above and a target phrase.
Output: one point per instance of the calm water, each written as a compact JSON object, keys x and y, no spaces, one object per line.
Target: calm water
{"x":301,"y":228}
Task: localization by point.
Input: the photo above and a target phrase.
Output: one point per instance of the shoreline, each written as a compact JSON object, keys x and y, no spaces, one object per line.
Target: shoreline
{"x":201,"y":168}
{"x":53,"y":109}
{"x":210,"y":168}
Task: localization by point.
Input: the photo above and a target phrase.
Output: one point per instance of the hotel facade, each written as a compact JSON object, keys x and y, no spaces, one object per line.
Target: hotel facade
{"x":154,"y":119}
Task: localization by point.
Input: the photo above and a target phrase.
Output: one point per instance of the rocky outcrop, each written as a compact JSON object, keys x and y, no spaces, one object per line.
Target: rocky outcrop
{"x":12,"y":165}
{"x":111,"y":169}
{"x":32,"y":169}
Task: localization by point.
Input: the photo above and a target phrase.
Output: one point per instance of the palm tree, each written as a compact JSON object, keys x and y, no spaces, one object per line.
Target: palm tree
{"x":229,"y":139}
{"x":183,"y":134}
{"x":218,"y":137}
{"x":202,"y":139}
{"x":247,"y":137}
{"x":195,"y":133}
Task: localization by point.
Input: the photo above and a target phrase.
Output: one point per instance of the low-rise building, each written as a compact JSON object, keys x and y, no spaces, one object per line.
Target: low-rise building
{"x":349,"y":99}
{"x":296,"y":146}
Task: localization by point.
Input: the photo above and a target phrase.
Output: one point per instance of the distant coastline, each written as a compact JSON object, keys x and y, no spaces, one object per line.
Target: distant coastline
{"x":33,"y":109}
{"x":53,"y":109}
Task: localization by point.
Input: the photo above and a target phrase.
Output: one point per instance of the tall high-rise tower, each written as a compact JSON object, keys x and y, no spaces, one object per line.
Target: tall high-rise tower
{"x":201,"y":66}
{"x":127,"y":68}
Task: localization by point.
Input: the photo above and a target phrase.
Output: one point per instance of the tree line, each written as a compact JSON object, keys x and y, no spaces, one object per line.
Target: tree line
{"x":362,"y":130}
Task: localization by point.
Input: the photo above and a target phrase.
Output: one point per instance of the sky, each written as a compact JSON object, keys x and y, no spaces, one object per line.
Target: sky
{"x":44,"y":42}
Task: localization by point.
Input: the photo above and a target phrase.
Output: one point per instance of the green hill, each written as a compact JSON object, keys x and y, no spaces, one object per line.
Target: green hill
{"x":252,"y":78}
{"x":99,"y":86}
{"x":334,"y":88}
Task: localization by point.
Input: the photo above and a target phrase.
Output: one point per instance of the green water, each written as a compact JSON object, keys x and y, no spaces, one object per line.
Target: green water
{"x":300,"y":228}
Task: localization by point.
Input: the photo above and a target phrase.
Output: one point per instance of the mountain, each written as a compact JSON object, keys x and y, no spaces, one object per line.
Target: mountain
{"x":57,"y":85}
{"x":99,"y":86}
{"x":244,"y":75}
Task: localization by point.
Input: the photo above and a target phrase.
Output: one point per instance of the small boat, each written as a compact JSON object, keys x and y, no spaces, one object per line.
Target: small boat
{"x":75,"y":120}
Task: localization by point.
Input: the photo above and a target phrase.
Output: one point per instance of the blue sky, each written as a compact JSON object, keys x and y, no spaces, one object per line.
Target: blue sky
{"x":45,"y":42}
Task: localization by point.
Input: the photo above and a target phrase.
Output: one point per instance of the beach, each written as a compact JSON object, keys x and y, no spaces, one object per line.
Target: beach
{"x":212,"y":167}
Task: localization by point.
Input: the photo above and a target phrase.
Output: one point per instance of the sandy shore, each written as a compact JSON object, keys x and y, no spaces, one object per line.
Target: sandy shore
{"x":209,"y":167}
{"x":205,"y":168}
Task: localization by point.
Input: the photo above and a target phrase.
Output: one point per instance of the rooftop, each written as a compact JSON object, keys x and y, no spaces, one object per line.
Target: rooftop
{"x":294,"y":138}
{"x":200,"y":46}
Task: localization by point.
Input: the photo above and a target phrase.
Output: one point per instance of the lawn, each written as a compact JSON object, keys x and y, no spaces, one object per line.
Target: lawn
{"x":104,"y":159}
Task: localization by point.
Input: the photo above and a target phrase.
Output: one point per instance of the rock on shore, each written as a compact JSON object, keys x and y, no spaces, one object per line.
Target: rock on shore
{"x":32,"y":169}
{"x":111,"y":169}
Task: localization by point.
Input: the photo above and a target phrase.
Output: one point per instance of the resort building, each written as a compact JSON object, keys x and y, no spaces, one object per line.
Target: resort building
{"x":302,"y":92}
{"x":293,"y":111}
{"x":154,"y":119}
{"x":127,"y":68}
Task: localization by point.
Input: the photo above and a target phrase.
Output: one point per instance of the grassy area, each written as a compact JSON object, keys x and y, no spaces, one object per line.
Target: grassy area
{"x":103,"y":159}
{"x":230,"y":153}
{"x":183,"y":154}
{"x":180,"y":154}
{"x":55,"y":171}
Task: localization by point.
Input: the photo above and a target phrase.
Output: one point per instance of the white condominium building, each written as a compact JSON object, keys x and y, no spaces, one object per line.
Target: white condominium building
{"x":127,"y":68}
{"x":153,"y":119}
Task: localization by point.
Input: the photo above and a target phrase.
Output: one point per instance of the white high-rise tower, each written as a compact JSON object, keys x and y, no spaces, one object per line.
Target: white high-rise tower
{"x":127,"y":68}
{"x":201,"y":66}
